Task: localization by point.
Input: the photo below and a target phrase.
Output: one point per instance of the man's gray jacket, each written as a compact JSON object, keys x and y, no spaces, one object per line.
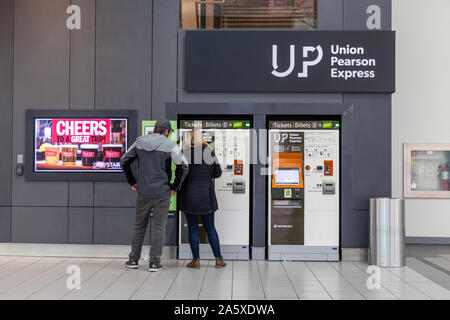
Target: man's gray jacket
{"x":155,"y":153}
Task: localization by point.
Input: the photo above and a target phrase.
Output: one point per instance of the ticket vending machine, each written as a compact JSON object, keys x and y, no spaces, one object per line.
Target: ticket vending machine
{"x":303,"y":180}
{"x":230,"y":140}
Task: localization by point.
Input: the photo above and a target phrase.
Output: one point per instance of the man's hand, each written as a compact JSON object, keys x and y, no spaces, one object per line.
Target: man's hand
{"x":134,"y":187}
{"x":172,"y":193}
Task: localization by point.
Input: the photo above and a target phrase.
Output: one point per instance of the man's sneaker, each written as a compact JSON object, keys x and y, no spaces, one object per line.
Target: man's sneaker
{"x":154,"y":267}
{"x":132,"y":264}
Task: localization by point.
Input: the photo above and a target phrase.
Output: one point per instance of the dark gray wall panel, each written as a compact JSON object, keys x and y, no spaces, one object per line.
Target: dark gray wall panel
{"x":81,"y":194}
{"x":5,"y":224}
{"x":114,"y":194}
{"x":6,"y":97}
{"x":171,"y":231}
{"x":39,"y":224}
{"x":185,"y":97}
{"x":115,"y":226}
{"x":347,"y":159}
{"x":82,"y":58}
{"x":355,"y":14}
{"x":259,"y":185}
{"x":81,"y":225}
{"x":41,"y":81}
{"x":372,"y":139}
{"x":82,"y":85}
{"x":355,"y":232}
{"x":164,"y":78}
{"x":372,"y":145}
{"x":123,"y":55}
{"x":329,"y":14}
{"x":34,"y":193}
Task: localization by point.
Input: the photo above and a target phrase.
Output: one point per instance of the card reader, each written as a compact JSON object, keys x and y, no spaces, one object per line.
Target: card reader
{"x":238,"y":186}
{"x":328,"y":187}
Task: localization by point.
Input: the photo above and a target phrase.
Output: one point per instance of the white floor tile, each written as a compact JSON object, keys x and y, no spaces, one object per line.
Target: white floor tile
{"x":17,"y":277}
{"x":429,"y":287}
{"x":346,"y":296}
{"x":45,"y":278}
{"x":378,"y":295}
{"x":248,"y":298}
{"x":437,"y":296}
{"x":251,"y":292}
{"x":413,"y":297}
{"x":125,"y":286}
{"x":215,"y":298}
{"x":313,"y":294}
{"x":180,"y":297}
{"x":34,"y":284}
{"x":149,"y":296}
{"x":308,"y":285}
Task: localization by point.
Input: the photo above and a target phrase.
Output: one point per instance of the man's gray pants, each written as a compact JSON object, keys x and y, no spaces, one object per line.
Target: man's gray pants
{"x":160,"y":208}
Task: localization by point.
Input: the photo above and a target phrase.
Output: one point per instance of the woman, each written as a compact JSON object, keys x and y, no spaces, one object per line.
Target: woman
{"x":197,"y":195}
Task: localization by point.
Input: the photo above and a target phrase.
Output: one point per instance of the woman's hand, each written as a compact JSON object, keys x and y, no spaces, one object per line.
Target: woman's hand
{"x":134,"y":187}
{"x":172,"y":193}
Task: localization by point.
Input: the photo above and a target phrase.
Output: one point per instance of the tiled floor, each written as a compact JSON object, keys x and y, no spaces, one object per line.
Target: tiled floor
{"x":45,"y":278}
{"x":433,"y":261}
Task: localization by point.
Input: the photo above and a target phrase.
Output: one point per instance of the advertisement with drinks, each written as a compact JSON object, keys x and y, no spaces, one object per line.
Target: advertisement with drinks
{"x":77,"y":145}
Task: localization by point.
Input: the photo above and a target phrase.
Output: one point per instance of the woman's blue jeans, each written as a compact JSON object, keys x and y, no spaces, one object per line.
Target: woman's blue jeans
{"x":194,"y":239}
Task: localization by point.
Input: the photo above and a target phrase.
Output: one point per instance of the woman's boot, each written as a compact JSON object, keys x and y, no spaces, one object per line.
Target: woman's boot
{"x":194,"y":264}
{"x":220,"y":263}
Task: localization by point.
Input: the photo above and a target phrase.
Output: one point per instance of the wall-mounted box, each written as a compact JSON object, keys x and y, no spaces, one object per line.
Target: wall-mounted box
{"x":426,"y":170}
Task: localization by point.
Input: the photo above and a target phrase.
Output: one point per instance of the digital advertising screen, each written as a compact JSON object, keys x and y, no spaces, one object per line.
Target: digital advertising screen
{"x":79,"y":144}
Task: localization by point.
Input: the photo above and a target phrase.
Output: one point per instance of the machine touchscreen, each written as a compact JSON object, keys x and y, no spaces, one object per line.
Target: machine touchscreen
{"x":287,"y":176}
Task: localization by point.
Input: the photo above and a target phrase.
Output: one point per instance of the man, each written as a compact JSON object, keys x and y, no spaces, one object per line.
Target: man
{"x":154,"y":153}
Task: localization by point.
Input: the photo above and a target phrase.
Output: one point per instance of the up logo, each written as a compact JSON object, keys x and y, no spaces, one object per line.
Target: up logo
{"x":308,"y":53}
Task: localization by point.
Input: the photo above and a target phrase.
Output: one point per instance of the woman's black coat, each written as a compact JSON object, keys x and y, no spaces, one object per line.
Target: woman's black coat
{"x":197,"y":195}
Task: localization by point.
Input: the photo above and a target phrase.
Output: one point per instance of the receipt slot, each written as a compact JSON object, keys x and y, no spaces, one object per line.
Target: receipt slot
{"x":303,"y":208}
{"x":230,"y":140}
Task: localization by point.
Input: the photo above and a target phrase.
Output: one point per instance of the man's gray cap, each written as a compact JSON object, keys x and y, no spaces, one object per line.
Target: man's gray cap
{"x":163,"y":124}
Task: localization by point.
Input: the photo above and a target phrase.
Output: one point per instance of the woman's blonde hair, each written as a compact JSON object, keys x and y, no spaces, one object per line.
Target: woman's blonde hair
{"x":196,"y":138}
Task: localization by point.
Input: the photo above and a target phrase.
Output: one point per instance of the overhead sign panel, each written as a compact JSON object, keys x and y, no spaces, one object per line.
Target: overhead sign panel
{"x":290,"y":61}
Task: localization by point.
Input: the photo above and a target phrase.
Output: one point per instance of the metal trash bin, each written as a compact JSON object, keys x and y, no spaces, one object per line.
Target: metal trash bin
{"x":387,"y":232}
